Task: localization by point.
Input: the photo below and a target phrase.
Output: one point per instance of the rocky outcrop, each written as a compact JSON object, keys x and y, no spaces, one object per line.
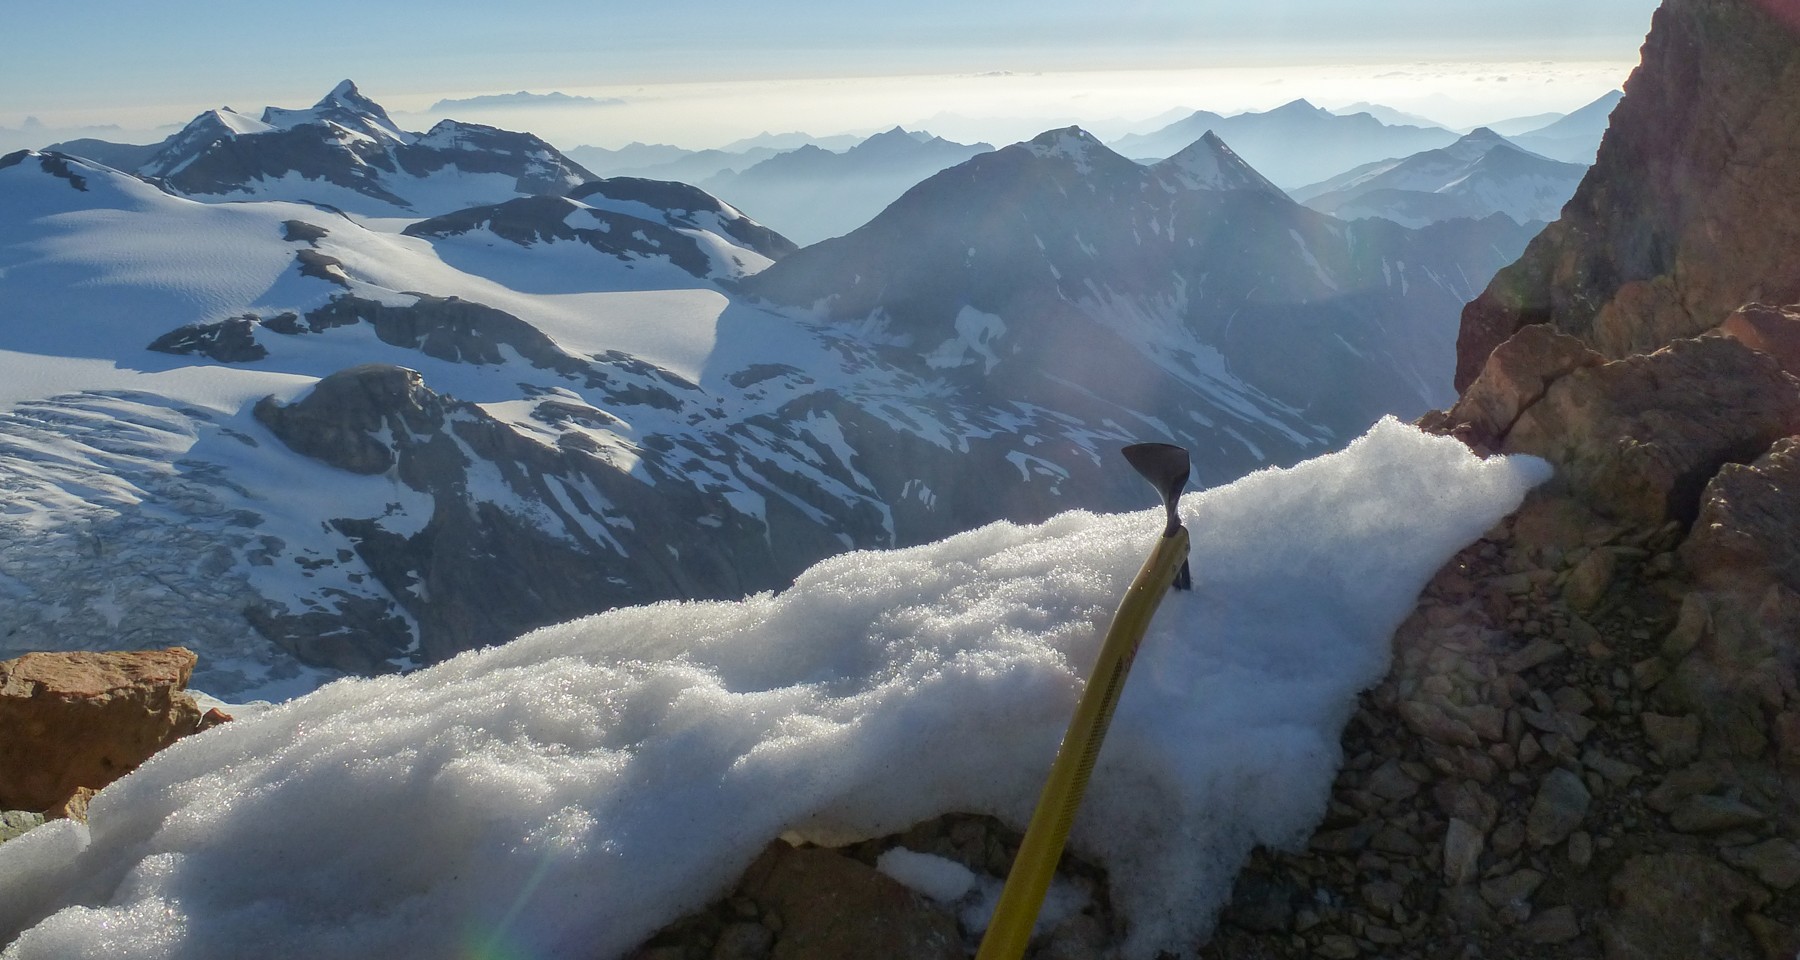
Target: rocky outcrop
{"x":631,"y":220}
{"x":1639,"y":437}
{"x":348,"y":141}
{"x":1516,"y":376}
{"x":83,"y":720}
{"x":227,"y":341}
{"x":1745,"y":539}
{"x":522,"y":533}
{"x":1689,"y":210}
{"x":1533,"y":780}
{"x":686,"y":206}
{"x":1589,"y":744}
{"x":1767,"y":329}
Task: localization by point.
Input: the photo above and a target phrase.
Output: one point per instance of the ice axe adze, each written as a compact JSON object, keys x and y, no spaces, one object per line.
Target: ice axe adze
{"x":1166,"y":467}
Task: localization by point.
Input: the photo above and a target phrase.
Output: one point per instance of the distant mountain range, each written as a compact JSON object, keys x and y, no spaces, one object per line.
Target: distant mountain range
{"x":363,"y":436}
{"x":522,"y":99}
{"x":1293,"y":144}
{"x":345,"y":151}
{"x":811,"y":193}
{"x":1387,"y":115}
{"x":662,"y":161}
{"x":1192,"y":294}
{"x":1573,"y":138}
{"x":1481,"y":174}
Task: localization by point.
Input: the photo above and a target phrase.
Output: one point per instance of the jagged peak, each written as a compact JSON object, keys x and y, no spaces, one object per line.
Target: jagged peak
{"x":344,"y":91}
{"x":896,"y":135}
{"x":1210,"y":164}
{"x":348,"y":107}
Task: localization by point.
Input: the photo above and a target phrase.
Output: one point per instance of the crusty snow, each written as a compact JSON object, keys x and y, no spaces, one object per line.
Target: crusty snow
{"x":570,"y":792}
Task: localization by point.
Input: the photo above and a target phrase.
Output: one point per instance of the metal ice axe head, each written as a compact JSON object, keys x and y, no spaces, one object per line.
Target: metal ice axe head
{"x":1166,"y":466}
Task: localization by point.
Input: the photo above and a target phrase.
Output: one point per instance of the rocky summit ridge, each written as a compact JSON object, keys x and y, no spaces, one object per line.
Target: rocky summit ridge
{"x":347,"y":151}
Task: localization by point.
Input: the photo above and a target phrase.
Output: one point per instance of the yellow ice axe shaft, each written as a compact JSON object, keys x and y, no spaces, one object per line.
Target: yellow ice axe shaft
{"x":1009,"y":931}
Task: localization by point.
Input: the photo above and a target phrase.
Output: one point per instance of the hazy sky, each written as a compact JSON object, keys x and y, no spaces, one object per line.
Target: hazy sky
{"x":740,"y":67}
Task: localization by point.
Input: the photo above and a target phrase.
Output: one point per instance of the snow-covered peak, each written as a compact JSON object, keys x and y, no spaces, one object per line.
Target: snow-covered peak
{"x":1068,"y":143}
{"x":200,"y":133}
{"x":345,"y":92}
{"x":235,"y":122}
{"x":1475,"y":144}
{"x":462,"y":135}
{"x":346,"y":106}
{"x":1208,"y":164}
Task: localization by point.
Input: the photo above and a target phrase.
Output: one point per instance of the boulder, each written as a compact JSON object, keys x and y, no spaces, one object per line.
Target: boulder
{"x":1561,"y":804}
{"x":80,"y":719}
{"x":1744,"y":538}
{"x":1639,"y":438}
{"x":347,"y":417}
{"x":1516,"y":375}
{"x":1679,"y":906}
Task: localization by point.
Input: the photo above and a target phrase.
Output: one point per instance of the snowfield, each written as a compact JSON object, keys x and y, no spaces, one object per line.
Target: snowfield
{"x":572,"y":791}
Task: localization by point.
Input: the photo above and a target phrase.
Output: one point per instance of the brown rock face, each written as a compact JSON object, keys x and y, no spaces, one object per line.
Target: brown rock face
{"x":1516,"y":376}
{"x":1639,"y":438}
{"x":1691,"y":208}
{"x":1771,"y":330}
{"x":1745,"y":538}
{"x":76,"y":720}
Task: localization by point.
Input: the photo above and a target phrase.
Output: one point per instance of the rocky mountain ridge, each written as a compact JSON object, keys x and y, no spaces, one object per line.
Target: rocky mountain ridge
{"x":1293,"y":144}
{"x":811,"y":193}
{"x":347,"y":151}
{"x":585,"y":379}
{"x":1057,"y":267}
{"x":1481,"y":174}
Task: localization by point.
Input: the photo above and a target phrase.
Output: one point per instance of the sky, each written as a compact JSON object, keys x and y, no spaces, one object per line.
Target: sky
{"x":701,"y":72}
{"x":572,"y":791}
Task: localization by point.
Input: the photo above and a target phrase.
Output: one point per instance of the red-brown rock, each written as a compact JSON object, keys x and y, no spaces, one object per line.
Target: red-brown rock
{"x":77,"y":720}
{"x":1692,"y":207}
{"x":1638,"y":439}
{"x":1745,"y":537}
{"x":1771,"y":330}
{"x":1515,"y":377}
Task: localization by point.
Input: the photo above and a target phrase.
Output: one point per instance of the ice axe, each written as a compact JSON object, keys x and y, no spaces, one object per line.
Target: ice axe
{"x":1166,"y":467}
